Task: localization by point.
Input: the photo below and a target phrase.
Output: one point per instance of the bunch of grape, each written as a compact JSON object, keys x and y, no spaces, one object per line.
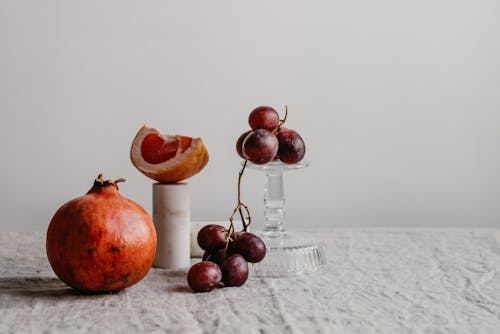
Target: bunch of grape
{"x":269,"y":140}
{"x":225,"y":258}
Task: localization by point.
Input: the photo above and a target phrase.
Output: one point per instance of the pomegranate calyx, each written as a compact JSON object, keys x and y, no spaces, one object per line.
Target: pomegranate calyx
{"x":99,"y":182}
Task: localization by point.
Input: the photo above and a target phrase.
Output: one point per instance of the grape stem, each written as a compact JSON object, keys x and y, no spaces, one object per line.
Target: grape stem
{"x":282,"y":121}
{"x":239,"y":209}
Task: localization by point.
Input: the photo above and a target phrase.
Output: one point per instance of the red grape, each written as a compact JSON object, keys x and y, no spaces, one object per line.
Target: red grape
{"x":234,"y":270}
{"x":204,"y":276}
{"x":264,"y":118}
{"x":212,"y":237}
{"x":250,"y":246}
{"x":260,"y":146}
{"x":239,"y":143}
{"x":291,"y":146}
{"x":218,"y":256}
{"x":234,"y":236}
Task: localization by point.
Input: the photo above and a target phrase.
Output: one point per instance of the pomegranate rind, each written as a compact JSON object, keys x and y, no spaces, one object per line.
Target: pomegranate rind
{"x":181,"y":167}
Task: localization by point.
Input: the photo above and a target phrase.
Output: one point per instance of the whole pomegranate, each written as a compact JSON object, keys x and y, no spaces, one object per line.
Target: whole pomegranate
{"x":101,"y":241}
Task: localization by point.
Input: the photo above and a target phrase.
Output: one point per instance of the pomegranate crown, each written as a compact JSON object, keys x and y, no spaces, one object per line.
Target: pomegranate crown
{"x":100,"y":182}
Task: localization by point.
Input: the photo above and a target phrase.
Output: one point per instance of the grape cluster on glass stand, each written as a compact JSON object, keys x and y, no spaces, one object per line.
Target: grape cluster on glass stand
{"x":268,"y":140}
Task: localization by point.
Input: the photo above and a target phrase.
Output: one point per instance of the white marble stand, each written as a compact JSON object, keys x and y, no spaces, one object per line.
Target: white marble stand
{"x":171,"y":217}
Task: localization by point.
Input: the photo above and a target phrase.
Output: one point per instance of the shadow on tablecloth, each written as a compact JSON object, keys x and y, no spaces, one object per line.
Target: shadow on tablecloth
{"x":33,"y":287}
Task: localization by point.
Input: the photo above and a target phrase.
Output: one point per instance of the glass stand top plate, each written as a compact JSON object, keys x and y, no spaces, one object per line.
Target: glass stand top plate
{"x":277,"y":166}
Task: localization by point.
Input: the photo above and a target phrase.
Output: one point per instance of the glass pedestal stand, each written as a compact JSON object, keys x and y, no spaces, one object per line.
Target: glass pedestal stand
{"x":288,"y":254}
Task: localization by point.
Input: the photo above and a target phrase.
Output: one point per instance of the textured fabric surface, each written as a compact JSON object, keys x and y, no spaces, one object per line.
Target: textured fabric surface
{"x":378,"y":281}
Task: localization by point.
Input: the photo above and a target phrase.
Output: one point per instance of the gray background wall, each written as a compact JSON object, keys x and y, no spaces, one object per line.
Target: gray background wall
{"x":398,"y":102}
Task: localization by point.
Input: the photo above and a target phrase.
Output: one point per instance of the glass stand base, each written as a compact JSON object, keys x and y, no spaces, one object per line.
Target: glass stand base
{"x":288,"y":255}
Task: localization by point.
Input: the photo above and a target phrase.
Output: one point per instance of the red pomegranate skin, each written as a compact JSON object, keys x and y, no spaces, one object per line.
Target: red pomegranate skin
{"x":101,"y":241}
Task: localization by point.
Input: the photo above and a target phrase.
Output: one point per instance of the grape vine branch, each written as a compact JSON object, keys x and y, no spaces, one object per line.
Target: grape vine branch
{"x":242,"y":208}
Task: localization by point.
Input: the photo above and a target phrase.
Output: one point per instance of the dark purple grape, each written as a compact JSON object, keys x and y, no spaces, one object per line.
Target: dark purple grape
{"x":204,"y":276}
{"x":239,"y":143}
{"x":260,"y":146}
{"x":212,"y":237}
{"x":234,"y":270}
{"x":291,"y":146}
{"x":264,"y":118}
{"x":250,"y":246}
{"x":218,"y":256}
{"x":234,"y":237}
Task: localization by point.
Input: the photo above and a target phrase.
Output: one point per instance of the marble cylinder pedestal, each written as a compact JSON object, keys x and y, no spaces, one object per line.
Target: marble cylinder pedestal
{"x":171,"y":217}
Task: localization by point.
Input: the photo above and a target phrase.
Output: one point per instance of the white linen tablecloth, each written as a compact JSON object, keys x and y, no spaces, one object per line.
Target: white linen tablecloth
{"x":378,"y":281}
